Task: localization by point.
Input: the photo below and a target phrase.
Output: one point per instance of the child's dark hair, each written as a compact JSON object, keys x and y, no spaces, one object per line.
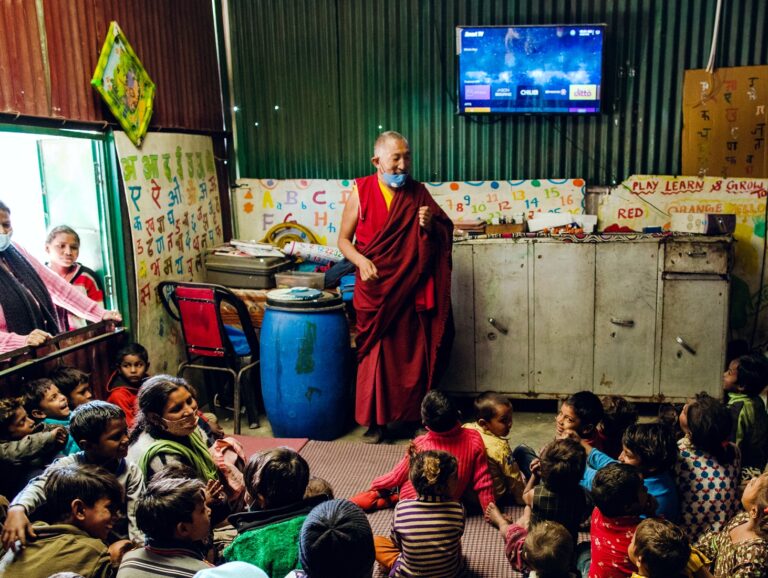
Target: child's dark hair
{"x":68,"y":378}
{"x":618,"y":415}
{"x":752,"y":373}
{"x":562,"y":464}
{"x":151,"y":400}
{"x":167,"y":502}
{"x":58,"y":231}
{"x":175,"y":470}
{"x":615,"y":489}
{"x":280,"y":476}
{"x":134,"y":348}
{"x":548,"y":549}
{"x":34,"y":393}
{"x":8,"y":408}
{"x":662,"y":547}
{"x":486,"y":405}
{"x":90,"y":420}
{"x":587,"y":407}
{"x":438,"y":413}
{"x":654,"y":444}
{"x":318,"y":487}
{"x":430,"y":471}
{"x":710,"y":424}
{"x":85,"y":482}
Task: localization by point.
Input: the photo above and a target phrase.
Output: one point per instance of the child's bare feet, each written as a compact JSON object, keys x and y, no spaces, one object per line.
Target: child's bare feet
{"x":496,"y":518}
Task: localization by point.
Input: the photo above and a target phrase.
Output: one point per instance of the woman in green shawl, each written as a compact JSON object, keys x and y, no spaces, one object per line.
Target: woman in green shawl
{"x":166,"y":430}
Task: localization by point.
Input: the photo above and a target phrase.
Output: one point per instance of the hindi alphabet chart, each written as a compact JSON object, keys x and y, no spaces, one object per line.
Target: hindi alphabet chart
{"x":649,"y":201}
{"x":318,"y":203}
{"x":724,"y":122}
{"x":172,"y":194}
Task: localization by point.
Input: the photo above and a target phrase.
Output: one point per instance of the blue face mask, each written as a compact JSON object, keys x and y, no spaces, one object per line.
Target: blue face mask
{"x":394,"y":180}
{"x":5,"y":241}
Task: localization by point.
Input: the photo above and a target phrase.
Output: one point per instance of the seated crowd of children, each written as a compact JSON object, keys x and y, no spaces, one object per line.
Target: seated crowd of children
{"x":143,"y":484}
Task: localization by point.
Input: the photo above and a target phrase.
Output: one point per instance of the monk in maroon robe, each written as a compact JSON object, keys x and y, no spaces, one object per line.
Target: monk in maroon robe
{"x":402,"y":251}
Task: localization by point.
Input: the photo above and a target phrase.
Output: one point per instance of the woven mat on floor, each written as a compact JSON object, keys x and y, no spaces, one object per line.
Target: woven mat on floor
{"x":252,"y":444}
{"x":350,"y":467}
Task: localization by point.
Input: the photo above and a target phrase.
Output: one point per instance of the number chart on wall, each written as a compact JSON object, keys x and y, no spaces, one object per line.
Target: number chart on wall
{"x":173,"y":206}
{"x":318,"y":204}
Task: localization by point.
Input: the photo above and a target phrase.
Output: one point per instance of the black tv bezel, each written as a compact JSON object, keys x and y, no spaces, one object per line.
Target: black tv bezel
{"x":599,"y":111}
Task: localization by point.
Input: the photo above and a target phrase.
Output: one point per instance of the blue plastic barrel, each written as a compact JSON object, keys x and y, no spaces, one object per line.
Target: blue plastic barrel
{"x":304,"y":360}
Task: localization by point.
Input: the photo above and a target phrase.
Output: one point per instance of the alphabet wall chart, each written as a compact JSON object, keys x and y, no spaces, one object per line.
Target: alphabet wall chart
{"x":649,"y":201}
{"x":318,"y":204}
{"x":724,"y":118}
{"x":172,"y":195}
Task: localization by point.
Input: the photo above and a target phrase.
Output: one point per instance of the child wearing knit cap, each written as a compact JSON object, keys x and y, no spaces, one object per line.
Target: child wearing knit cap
{"x":336,"y":540}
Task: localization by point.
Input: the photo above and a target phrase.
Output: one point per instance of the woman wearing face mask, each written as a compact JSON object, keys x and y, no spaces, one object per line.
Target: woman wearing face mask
{"x":30,"y":291}
{"x":166,"y":429}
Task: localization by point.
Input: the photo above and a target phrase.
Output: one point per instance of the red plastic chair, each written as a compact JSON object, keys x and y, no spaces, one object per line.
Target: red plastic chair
{"x":197,"y":306}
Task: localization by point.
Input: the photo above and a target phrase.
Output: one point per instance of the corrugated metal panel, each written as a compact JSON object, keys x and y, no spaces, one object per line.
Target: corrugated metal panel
{"x":22,"y":74}
{"x":286,"y":70}
{"x":175,"y":41}
{"x":395,"y":66}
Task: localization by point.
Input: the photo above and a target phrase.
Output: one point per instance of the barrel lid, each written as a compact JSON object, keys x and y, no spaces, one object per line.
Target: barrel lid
{"x":302,"y":298}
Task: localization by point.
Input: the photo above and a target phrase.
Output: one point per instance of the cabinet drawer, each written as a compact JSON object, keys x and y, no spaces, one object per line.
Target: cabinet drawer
{"x":693,"y":257}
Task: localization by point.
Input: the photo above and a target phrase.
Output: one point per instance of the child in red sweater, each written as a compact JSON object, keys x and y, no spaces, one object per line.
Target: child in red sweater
{"x":131,"y":364}
{"x":444,"y":432}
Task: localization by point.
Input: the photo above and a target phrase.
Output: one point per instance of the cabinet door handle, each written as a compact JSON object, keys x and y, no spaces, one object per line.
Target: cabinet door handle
{"x":696,"y":254}
{"x":500,"y":328}
{"x":623,"y":322}
{"x":685,"y":346}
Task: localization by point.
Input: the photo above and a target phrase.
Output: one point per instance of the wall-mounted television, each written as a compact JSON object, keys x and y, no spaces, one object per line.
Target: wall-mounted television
{"x":530,"y":69}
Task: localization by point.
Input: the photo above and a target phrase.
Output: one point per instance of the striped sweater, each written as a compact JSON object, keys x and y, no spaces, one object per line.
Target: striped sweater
{"x":468,"y":448}
{"x":428,"y":533}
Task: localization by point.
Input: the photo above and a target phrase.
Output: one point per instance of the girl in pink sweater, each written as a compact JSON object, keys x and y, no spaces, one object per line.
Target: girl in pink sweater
{"x":444,"y":432}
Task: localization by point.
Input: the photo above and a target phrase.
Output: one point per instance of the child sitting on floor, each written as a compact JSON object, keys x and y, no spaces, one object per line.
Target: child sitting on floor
{"x":621,"y":499}
{"x":742,"y":383}
{"x":318,"y":487}
{"x":131,"y":366}
{"x":82,"y":503}
{"x":493,"y":413}
{"x":176,"y":521}
{"x":45,"y":403}
{"x":559,"y":497}
{"x":336,"y":541}
{"x":618,"y":415}
{"x":740,"y":548}
{"x":409,"y":551}
{"x":268,"y":534}
{"x":100,"y":430}
{"x":546,"y":550}
{"x":707,"y":471}
{"x":25,"y":448}
{"x":651,"y":448}
{"x":74,"y":384}
{"x":659,"y":549}
{"x":444,"y":432}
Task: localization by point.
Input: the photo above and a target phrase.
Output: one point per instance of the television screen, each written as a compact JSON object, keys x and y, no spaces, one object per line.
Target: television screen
{"x":530,"y":69}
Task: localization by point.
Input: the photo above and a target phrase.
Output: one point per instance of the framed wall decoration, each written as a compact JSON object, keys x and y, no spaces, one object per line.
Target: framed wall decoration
{"x":124,"y":84}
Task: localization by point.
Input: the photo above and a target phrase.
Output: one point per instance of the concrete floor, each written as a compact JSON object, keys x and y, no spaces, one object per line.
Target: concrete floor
{"x":533,"y":425}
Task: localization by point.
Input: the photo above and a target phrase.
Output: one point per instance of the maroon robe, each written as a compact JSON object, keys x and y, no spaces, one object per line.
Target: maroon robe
{"x":404,"y":321}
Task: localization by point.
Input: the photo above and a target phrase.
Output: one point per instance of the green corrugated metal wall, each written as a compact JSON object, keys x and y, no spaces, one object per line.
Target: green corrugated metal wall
{"x":316,"y":80}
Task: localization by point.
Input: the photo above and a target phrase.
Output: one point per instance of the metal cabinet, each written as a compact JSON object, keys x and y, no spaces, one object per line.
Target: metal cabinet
{"x":540,"y":317}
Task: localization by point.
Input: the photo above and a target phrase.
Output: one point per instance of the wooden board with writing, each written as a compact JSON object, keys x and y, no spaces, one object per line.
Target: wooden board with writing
{"x":724,"y":122}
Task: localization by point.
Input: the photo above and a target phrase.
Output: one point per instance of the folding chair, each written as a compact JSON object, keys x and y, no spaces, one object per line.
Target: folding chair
{"x":197,"y":306}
